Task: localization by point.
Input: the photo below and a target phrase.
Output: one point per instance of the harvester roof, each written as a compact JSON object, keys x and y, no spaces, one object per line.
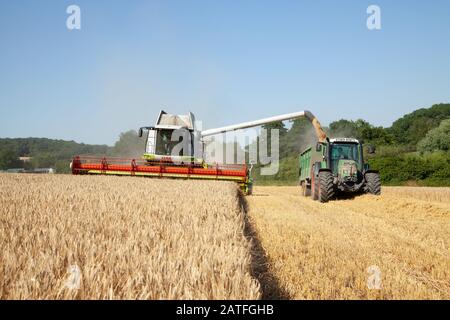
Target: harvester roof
{"x":175,"y":121}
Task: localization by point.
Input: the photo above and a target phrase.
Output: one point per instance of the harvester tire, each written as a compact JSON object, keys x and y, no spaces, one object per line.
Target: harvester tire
{"x":326,"y":186}
{"x":249,"y":189}
{"x":373,"y":183}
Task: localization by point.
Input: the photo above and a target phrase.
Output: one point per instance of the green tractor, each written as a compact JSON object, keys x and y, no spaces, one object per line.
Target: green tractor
{"x":336,"y":166}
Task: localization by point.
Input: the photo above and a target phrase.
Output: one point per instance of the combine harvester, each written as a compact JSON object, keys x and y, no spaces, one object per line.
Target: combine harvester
{"x":162,"y":160}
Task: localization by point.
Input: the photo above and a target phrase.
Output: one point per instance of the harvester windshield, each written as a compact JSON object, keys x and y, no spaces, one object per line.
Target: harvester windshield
{"x":164,"y":145}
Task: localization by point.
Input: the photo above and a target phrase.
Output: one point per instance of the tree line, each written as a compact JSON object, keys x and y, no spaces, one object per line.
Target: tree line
{"x":57,"y":154}
{"x":416,"y":148}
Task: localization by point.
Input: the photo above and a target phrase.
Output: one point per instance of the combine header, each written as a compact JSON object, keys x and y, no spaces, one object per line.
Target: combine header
{"x":161,"y":169}
{"x":175,"y":149}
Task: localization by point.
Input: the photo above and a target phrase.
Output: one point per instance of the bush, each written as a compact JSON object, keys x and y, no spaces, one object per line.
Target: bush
{"x":62,"y":166}
{"x":434,"y":168}
{"x":437,"y":139}
{"x":9,"y":159}
{"x":288,"y":173}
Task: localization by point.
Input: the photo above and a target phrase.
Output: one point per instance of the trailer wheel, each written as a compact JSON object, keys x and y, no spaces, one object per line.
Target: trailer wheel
{"x":314,"y":187}
{"x":326,"y":186}
{"x":373,"y":183}
{"x":306,"y":190}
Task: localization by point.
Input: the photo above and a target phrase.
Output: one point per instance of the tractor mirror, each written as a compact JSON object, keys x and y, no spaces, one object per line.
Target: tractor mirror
{"x":318,"y":147}
{"x":141,"y":132}
{"x":371,"y":149}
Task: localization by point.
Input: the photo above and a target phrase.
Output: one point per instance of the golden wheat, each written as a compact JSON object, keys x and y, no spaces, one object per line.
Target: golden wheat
{"x":85,"y":237}
{"x":334,"y":250}
{"x":80,"y":237}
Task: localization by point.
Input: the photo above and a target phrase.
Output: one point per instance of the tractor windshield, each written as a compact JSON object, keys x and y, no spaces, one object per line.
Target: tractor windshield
{"x":345,"y":151}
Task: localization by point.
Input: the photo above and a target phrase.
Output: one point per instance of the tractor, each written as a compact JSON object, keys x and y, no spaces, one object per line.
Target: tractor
{"x":335,"y":167}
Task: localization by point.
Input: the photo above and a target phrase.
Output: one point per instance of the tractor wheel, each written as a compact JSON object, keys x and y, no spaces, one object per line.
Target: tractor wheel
{"x":326,"y":186}
{"x":373,"y":183}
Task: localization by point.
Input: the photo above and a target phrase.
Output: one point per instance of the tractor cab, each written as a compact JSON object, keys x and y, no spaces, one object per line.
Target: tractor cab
{"x":346,"y":161}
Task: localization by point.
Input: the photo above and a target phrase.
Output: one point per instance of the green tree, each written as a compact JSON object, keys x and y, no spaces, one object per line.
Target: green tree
{"x":129,"y":145}
{"x":273,"y":126}
{"x":9,"y":159}
{"x":362,"y":130}
{"x":437,"y":139}
{"x":276,"y":125}
{"x":411,"y":128}
{"x":344,"y":128}
{"x":62,"y":166}
{"x":43,"y":160}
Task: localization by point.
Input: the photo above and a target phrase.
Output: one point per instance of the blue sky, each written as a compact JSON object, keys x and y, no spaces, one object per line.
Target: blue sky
{"x":226,"y":61}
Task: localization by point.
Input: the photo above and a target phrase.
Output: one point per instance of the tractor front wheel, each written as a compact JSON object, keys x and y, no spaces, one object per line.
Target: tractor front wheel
{"x":373,"y":183}
{"x":326,"y":186}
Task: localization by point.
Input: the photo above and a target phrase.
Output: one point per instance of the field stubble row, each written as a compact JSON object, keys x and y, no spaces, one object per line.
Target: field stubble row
{"x":331,"y":251}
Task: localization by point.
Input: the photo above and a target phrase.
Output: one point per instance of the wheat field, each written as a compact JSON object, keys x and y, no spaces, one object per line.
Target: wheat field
{"x":90,"y":237}
{"x":396,"y":246}
{"x":97,"y":237}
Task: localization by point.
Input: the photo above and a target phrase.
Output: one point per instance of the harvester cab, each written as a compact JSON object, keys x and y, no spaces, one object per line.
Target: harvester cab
{"x":336,"y":166}
{"x":174,"y":139}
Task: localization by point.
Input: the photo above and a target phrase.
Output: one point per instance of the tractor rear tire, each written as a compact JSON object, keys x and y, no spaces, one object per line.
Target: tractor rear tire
{"x":326,"y":186}
{"x":373,"y":183}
